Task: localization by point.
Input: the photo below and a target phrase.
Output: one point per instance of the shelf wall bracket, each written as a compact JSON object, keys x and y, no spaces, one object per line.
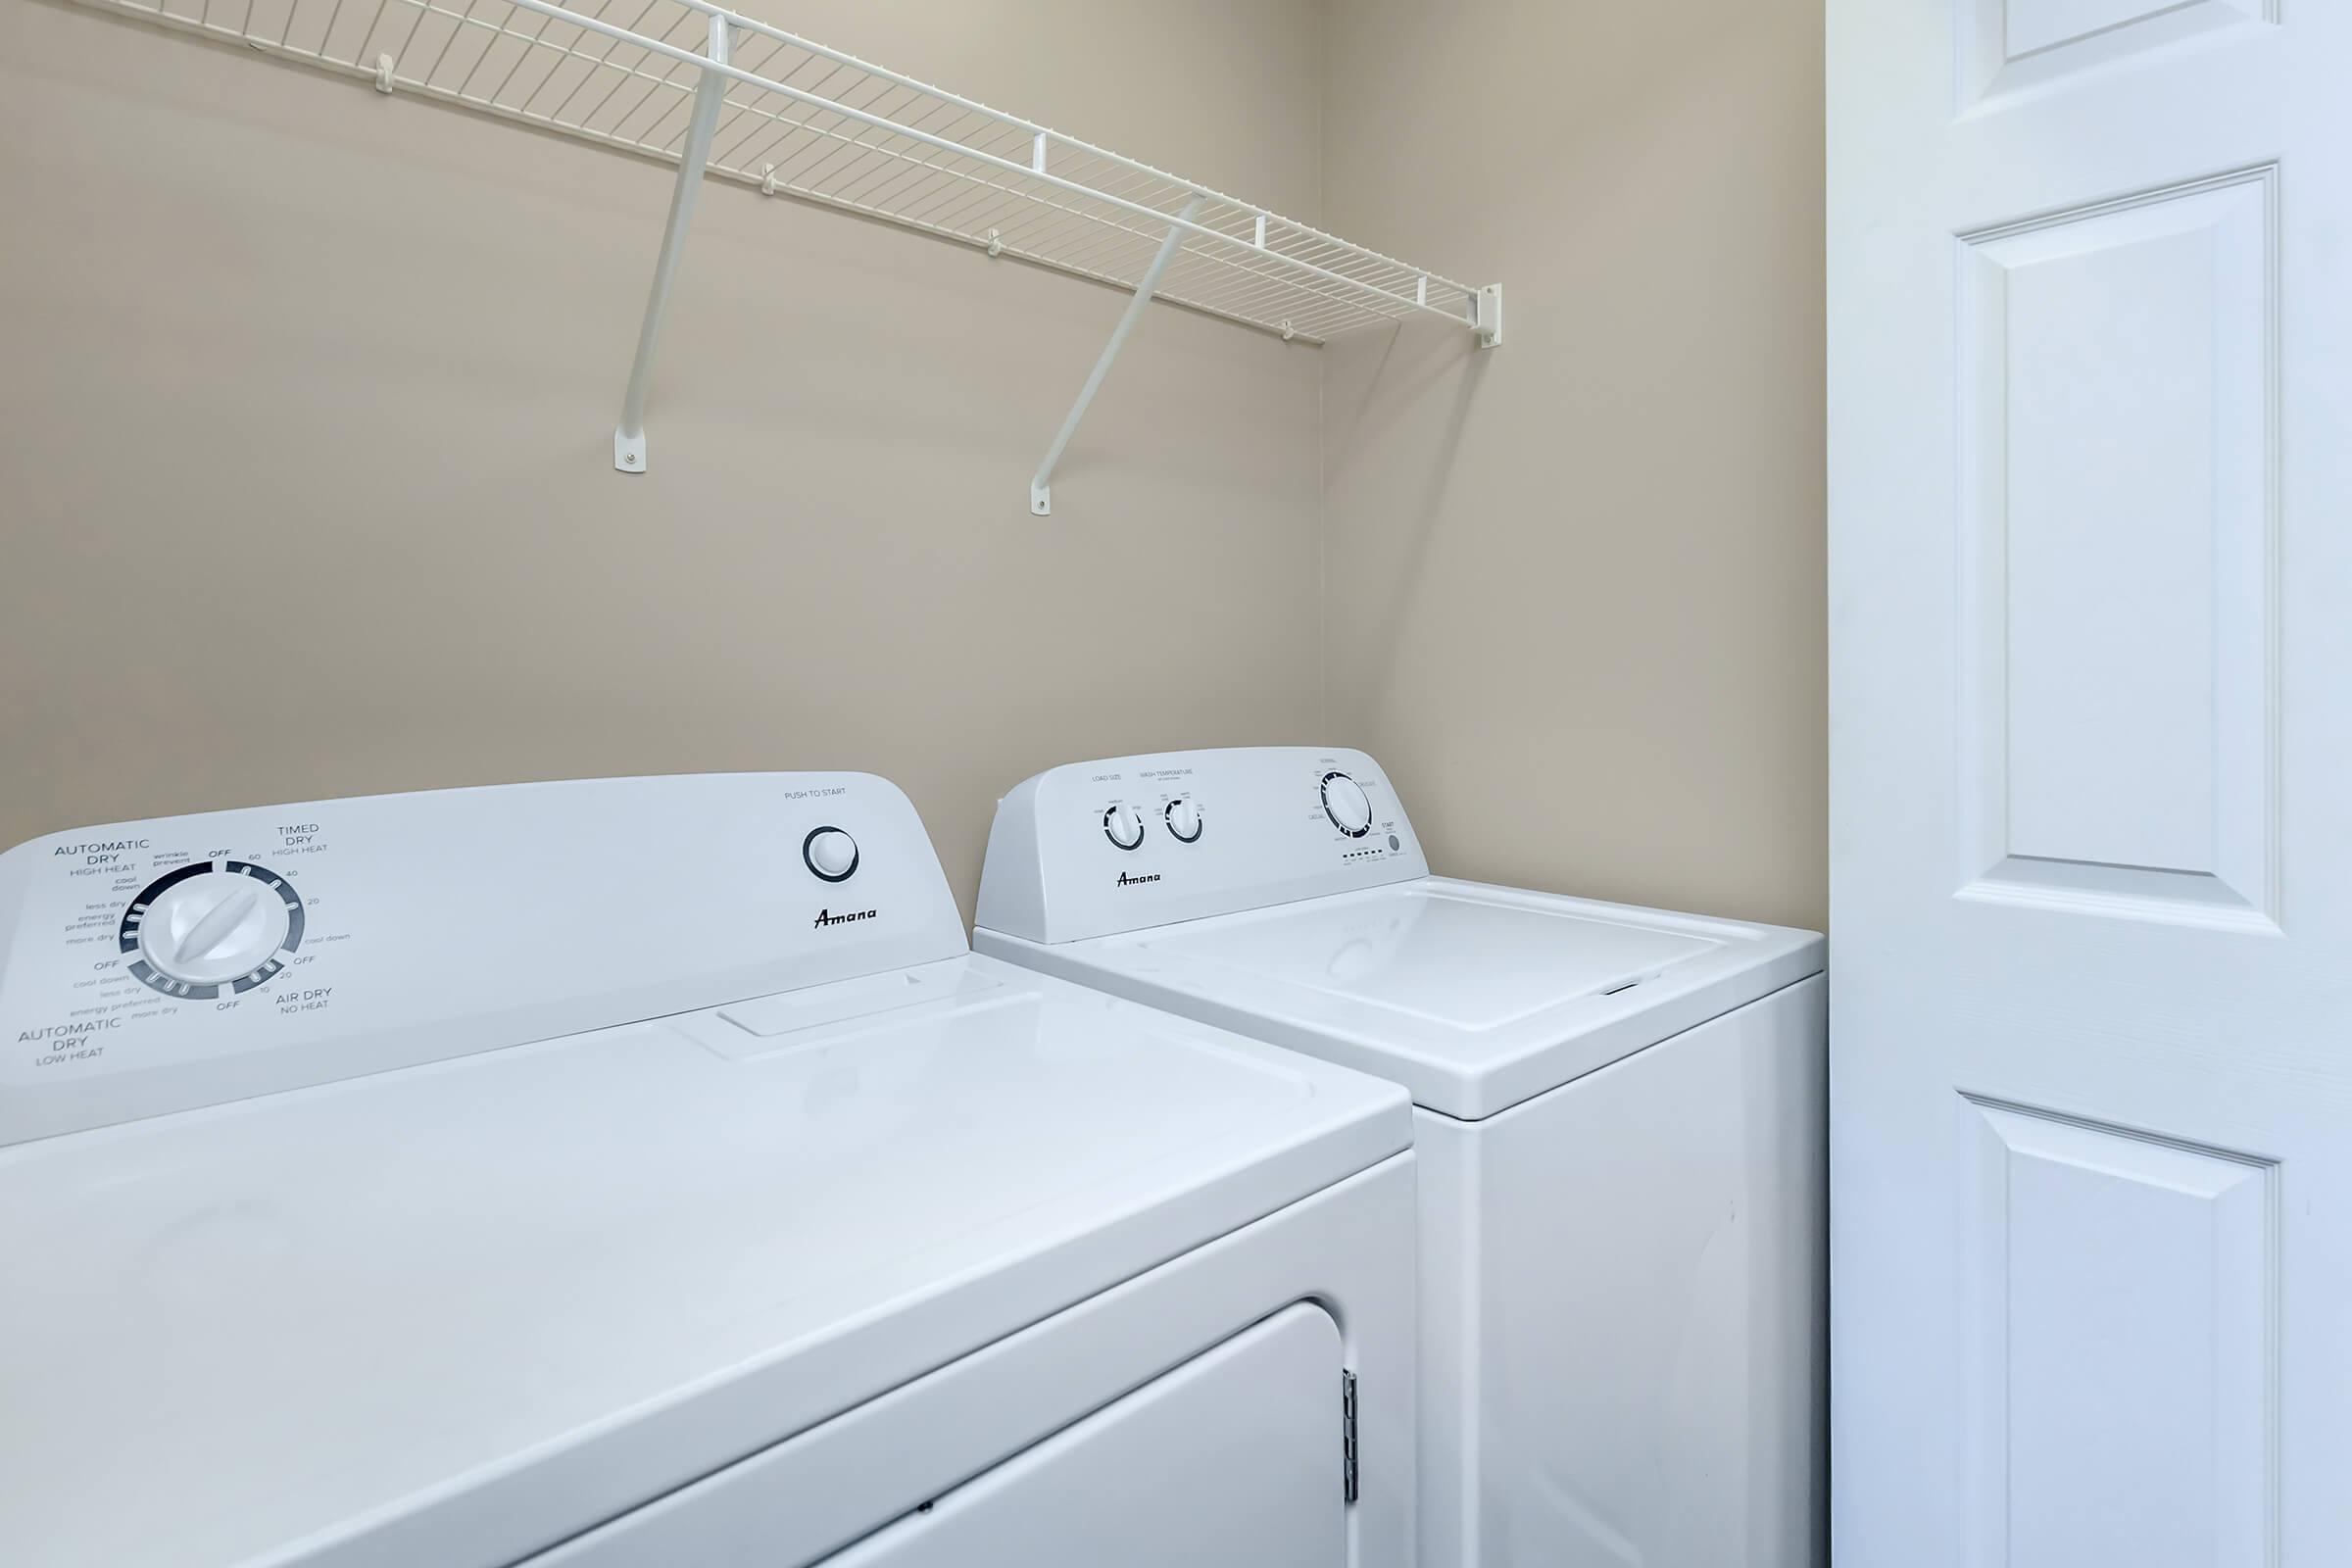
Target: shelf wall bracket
{"x":1487,"y":321}
{"x":1041,"y":485}
{"x":628,"y":438}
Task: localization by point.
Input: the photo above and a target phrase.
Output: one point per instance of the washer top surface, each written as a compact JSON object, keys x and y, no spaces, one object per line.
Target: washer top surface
{"x":1475,"y":997}
{"x":1448,"y":957}
{"x":1302,"y":911}
{"x":345,"y":1318}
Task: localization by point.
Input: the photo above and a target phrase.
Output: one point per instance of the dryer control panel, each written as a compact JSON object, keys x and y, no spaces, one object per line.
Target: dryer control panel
{"x":151,"y":966}
{"x":1097,"y":848}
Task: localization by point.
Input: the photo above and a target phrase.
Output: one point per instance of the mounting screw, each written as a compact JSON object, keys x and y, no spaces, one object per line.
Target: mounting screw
{"x":383,"y":73}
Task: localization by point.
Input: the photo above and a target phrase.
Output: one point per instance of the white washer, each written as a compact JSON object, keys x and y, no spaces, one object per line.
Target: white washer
{"x":628,"y":1172}
{"x":1620,"y":1121}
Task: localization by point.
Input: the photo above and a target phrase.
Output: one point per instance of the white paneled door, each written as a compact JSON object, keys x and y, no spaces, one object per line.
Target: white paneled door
{"x":2090,"y":465}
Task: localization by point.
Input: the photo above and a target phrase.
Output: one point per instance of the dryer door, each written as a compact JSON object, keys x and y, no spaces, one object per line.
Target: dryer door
{"x":1233,"y":1458}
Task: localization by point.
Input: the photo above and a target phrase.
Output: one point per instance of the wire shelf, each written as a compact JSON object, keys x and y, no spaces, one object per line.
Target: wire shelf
{"x":821,"y":124}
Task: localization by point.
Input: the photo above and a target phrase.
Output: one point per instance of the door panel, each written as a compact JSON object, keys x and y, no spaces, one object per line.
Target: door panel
{"x":2092,"y":726}
{"x":1233,"y":1458}
{"x":2008,"y":45}
{"x":2118,"y":569}
{"x":2115,"y":1412}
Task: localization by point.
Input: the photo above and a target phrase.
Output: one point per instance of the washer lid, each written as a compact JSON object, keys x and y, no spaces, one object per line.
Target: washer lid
{"x":1473,"y":997}
{"x":1452,"y":959}
{"x":455,"y":1312}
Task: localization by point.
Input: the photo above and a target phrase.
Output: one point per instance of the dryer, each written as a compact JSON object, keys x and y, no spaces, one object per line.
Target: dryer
{"x":1620,"y":1119}
{"x":644,"y":1172}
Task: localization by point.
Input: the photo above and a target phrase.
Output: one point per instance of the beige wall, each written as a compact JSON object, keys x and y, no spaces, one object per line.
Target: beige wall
{"x":305,"y":450}
{"x":1574,"y":593}
{"x":305,"y":442}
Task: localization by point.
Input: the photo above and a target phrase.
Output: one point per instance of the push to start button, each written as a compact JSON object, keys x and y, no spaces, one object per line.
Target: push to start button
{"x":830,"y":852}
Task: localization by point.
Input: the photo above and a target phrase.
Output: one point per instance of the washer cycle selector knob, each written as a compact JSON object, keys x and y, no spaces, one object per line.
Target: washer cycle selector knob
{"x":1184,"y":821}
{"x":830,"y":852}
{"x":202,"y":927}
{"x":1123,"y":825}
{"x":1347,"y":805}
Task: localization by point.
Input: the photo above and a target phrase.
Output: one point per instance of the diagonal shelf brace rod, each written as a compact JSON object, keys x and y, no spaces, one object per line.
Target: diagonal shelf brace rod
{"x":628,"y":438}
{"x":1041,"y":485}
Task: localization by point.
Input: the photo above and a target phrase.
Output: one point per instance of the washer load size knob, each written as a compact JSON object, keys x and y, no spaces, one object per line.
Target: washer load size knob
{"x":205,"y":925}
{"x":1123,"y":825}
{"x":1347,"y":805}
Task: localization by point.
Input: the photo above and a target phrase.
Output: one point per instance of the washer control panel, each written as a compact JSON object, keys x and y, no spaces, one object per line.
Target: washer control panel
{"x":151,"y":966}
{"x":1125,"y":843}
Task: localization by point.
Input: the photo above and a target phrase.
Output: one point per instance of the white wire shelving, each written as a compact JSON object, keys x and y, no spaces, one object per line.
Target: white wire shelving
{"x":718,"y":93}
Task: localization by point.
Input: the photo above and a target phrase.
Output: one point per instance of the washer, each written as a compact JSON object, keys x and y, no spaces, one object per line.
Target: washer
{"x":644,"y":1172}
{"x":1619,"y":1116}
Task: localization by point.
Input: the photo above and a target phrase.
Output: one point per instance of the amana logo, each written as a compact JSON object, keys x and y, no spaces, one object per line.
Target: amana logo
{"x":1127,"y":881}
{"x":825,"y":917}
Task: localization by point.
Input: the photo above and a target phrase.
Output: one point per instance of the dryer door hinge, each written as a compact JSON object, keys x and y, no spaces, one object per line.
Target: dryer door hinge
{"x":1347,"y":1434}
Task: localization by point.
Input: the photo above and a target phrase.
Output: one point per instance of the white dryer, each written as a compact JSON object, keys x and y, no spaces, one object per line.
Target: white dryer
{"x":643,"y":1172}
{"x":1619,"y":1116}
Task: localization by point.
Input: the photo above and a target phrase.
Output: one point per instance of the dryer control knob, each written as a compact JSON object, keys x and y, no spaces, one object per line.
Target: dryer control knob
{"x":830,"y":852}
{"x":1347,"y":805}
{"x":1184,"y":821}
{"x":1123,"y":826}
{"x":212,"y":928}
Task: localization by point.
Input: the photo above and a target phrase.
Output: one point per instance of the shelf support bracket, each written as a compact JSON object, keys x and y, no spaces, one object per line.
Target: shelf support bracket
{"x":1486,"y":316}
{"x":628,"y":438}
{"x":1041,"y":485}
